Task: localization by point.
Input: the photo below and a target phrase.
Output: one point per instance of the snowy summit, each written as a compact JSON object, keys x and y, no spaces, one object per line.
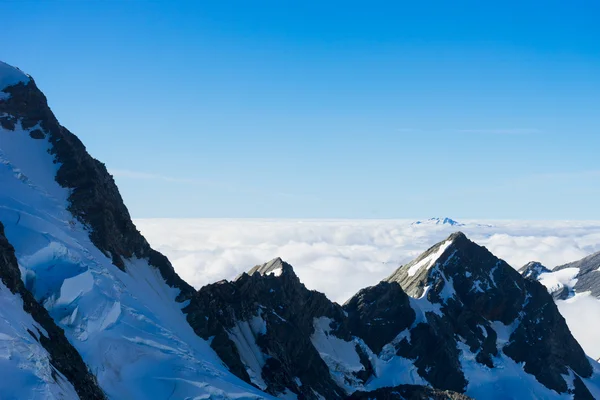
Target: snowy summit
{"x":439,"y":221}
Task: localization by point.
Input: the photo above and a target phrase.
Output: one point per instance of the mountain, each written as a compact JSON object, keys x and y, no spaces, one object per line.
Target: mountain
{"x":576,"y":290}
{"x":585,"y":275}
{"x":490,"y":326}
{"x":456,"y":318}
{"x":89,"y":310}
{"x":566,"y":280}
{"x":37,"y":359}
{"x":533,"y":270}
{"x":263,"y":325}
{"x":117,"y":301}
{"x":287,"y":340}
{"x":439,"y":221}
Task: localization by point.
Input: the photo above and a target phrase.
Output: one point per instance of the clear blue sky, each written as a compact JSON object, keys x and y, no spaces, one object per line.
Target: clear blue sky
{"x":372,"y":109}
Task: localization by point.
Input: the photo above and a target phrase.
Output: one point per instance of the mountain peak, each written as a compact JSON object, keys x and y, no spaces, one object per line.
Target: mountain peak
{"x":533,"y":270}
{"x":10,"y":76}
{"x":417,"y":269}
{"x":439,"y":221}
{"x":454,"y":259}
{"x":274,"y":267}
{"x":584,"y":275}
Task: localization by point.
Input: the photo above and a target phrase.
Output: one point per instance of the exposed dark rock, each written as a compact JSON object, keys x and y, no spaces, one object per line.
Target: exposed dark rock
{"x":581,"y":391}
{"x":588,"y":278}
{"x":37,"y":134}
{"x":63,"y":356}
{"x":433,"y":349}
{"x":274,"y":293}
{"x":379,"y":313}
{"x":544,"y":343}
{"x":533,"y":270}
{"x":470,"y":288}
{"x":474,"y":289}
{"x":408,"y":392}
{"x":94,"y":198}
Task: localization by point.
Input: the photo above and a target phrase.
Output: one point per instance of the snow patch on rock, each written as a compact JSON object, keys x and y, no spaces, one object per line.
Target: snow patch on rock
{"x":244,"y":335}
{"x":429,"y":260}
{"x":339,"y":355}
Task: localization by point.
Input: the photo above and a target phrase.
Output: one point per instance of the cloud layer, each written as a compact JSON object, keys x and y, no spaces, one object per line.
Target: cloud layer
{"x":339,"y":257}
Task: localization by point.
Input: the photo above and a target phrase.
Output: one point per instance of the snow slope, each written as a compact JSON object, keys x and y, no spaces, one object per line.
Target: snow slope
{"x":24,"y":364}
{"x":127,"y":326}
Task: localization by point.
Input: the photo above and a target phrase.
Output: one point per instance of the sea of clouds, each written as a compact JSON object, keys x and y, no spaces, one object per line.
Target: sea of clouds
{"x":339,"y":257}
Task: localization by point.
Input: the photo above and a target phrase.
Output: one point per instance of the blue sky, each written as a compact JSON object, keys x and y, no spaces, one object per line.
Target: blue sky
{"x":337,"y":110}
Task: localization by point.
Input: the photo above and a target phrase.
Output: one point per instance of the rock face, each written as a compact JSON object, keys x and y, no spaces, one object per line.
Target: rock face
{"x":569,"y":279}
{"x":533,"y":270}
{"x":537,"y":272}
{"x":457,"y":316}
{"x":588,"y":277}
{"x":477,"y":299}
{"x":63,"y":356}
{"x":377,"y":314}
{"x":261,"y":326}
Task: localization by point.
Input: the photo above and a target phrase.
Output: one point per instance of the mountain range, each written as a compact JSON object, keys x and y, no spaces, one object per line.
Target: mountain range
{"x":89,"y":310}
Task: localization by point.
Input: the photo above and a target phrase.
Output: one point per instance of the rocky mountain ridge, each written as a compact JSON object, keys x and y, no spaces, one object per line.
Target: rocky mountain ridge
{"x":454,"y":313}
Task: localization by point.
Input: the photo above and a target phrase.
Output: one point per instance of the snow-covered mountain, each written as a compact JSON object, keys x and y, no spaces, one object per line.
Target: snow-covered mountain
{"x":439,"y":221}
{"x":89,"y":310}
{"x":118,"y":301}
{"x":576,"y":289}
{"x":456,"y":318}
{"x":567,"y":280}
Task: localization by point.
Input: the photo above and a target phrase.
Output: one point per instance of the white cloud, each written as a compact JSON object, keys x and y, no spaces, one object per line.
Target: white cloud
{"x":339,"y":257}
{"x":581,"y":313}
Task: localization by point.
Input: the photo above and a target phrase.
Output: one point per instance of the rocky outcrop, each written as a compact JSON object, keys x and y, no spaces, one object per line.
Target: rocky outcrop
{"x":273,"y":313}
{"x":588,"y":276}
{"x":543,"y":342}
{"x":94,"y":197}
{"x":533,"y":270}
{"x":63,"y":356}
{"x":377,"y":314}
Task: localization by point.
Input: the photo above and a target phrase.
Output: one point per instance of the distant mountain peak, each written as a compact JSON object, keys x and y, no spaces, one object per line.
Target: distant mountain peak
{"x":439,"y":221}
